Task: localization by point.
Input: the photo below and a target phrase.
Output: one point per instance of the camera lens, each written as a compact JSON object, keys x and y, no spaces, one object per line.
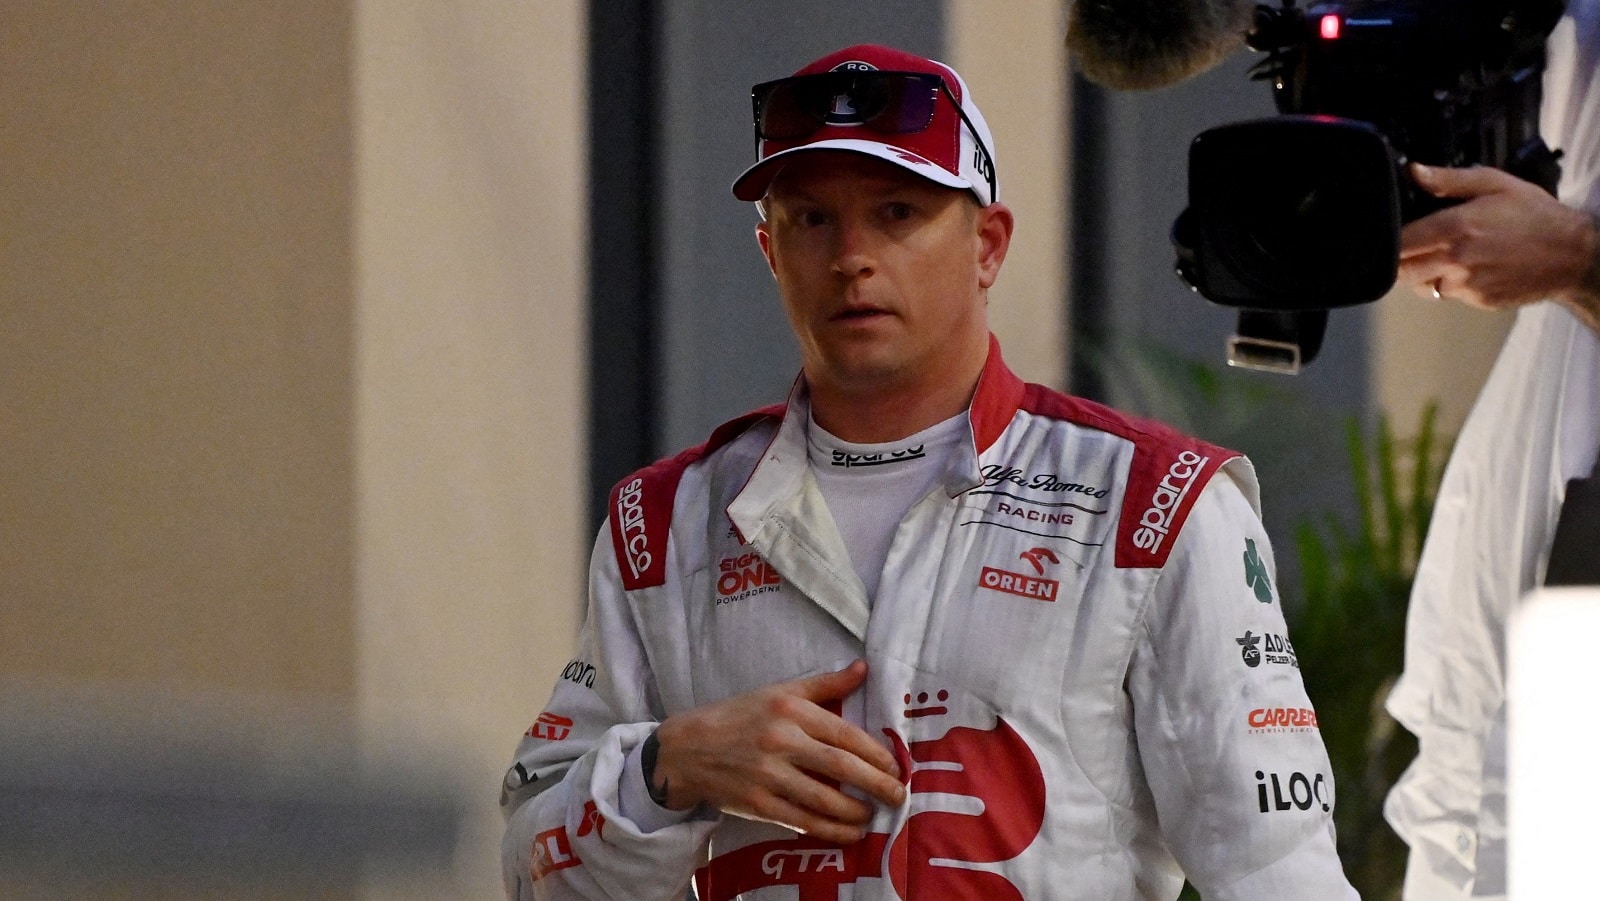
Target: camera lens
{"x":1299,"y":212}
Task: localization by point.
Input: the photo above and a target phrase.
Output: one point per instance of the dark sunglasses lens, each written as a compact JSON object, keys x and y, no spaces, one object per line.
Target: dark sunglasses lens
{"x":791,"y":109}
{"x":900,"y":104}
{"x":889,"y":103}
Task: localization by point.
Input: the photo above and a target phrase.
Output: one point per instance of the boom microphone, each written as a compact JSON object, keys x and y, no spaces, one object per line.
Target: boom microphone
{"x":1143,"y":44}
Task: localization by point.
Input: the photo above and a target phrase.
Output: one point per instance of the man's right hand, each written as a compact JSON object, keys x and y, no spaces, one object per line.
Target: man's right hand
{"x":776,"y":755}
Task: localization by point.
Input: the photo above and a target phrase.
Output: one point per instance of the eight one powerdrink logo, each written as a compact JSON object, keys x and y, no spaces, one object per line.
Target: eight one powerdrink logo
{"x":744,"y":576}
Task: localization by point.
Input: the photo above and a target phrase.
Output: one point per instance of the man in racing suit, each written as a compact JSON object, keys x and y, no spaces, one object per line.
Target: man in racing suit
{"x":924,"y":631}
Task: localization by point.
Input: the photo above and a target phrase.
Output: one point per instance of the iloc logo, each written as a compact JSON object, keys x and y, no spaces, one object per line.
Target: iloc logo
{"x":1157,"y":518}
{"x":630,"y":515}
{"x":1304,"y":791}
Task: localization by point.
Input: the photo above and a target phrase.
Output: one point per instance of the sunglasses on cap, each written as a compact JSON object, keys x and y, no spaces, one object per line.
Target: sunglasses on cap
{"x":890,"y":103}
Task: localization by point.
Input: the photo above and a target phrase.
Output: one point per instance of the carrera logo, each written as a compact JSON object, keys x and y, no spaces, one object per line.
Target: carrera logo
{"x":745,"y":576}
{"x":630,"y":516}
{"x":550,"y":727}
{"x":1164,"y":503}
{"x":1283,"y":719}
{"x":1021,"y":585}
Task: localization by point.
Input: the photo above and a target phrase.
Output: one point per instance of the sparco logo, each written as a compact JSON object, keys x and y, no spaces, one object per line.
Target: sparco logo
{"x":849,"y":460}
{"x":1157,"y":519}
{"x":631,"y":516}
{"x":579,"y":672}
{"x":1303,"y":792}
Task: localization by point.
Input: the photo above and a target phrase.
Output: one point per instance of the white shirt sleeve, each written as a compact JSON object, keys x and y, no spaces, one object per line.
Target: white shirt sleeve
{"x":579,"y":822}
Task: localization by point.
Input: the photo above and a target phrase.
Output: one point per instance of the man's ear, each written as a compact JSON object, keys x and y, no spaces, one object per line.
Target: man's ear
{"x":994,"y":225}
{"x":764,"y":238}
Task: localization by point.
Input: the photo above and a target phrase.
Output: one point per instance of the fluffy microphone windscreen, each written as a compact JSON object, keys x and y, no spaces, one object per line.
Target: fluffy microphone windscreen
{"x":1144,"y":44}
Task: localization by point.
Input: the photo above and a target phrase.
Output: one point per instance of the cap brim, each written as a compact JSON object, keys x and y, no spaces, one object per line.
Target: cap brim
{"x":752,"y":184}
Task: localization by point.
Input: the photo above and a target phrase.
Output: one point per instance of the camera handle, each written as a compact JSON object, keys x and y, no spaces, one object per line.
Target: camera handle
{"x":1281,"y":341}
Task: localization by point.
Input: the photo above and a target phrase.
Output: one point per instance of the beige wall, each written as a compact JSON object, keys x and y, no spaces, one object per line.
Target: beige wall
{"x":174,"y":345}
{"x":469,"y":378}
{"x":1426,"y":350}
{"x":1012,"y":55}
{"x":292,"y":352}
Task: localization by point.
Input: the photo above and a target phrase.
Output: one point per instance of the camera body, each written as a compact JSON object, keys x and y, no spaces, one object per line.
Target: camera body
{"x":1292,"y":215}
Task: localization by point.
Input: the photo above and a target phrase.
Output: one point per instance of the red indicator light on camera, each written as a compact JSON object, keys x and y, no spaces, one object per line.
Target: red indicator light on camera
{"x":1329,"y":26}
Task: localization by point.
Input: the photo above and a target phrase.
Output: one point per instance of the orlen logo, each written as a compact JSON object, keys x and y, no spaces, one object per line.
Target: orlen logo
{"x":1283,"y":719}
{"x":630,"y":515}
{"x":550,"y":727}
{"x":1164,"y":503}
{"x":1304,"y":791}
{"x":1020,"y":584}
{"x":743,"y":576}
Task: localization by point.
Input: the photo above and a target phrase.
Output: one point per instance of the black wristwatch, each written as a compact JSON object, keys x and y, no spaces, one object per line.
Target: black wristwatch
{"x":647,"y":767}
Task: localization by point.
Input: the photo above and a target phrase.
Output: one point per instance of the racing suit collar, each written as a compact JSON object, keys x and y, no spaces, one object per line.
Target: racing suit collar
{"x":995,"y":401}
{"x":781,"y":512}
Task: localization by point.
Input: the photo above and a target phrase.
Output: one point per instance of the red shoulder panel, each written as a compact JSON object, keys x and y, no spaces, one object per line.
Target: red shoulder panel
{"x":1168,"y":471}
{"x":641,"y":505}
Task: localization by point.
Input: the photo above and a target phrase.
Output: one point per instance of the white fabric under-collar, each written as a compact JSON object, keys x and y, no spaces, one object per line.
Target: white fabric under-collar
{"x":870,"y":487}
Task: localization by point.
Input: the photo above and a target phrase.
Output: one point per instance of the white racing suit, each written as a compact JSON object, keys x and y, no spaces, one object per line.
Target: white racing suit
{"x":1076,"y":653}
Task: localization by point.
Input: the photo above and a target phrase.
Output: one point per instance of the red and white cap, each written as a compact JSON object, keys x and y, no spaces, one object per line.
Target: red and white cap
{"x":945,"y":152}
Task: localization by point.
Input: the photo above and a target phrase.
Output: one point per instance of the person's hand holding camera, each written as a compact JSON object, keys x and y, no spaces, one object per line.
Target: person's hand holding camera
{"x":1509,"y":243}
